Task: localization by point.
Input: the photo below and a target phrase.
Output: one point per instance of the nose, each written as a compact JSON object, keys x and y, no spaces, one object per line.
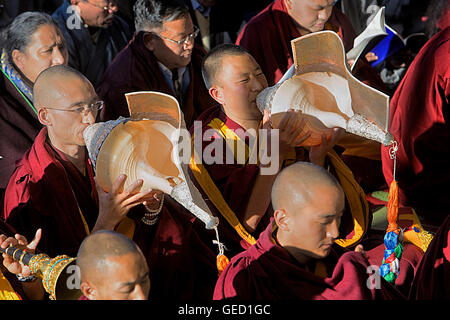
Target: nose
{"x":58,"y":57}
{"x":189,"y":44}
{"x":138,"y":293}
{"x":89,"y":116}
{"x":257,"y":84}
{"x":324,"y":14}
{"x":333,"y":230}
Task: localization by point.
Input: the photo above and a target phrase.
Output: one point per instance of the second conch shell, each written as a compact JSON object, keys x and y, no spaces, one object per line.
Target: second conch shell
{"x":327,"y":93}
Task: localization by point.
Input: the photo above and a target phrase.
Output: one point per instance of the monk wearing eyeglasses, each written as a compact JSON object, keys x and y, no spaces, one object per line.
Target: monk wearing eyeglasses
{"x":162,"y":56}
{"x":53,"y":186}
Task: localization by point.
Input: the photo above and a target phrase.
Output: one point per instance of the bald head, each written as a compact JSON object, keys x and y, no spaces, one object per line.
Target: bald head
{"x":295,"y":185}
{"x":52,"y":83}
{"x":212,"y":63}
{"x":100,"y":246}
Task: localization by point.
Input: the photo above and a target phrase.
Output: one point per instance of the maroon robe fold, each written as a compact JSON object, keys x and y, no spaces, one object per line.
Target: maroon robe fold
{"x":135,"y":68}
{"x":432,"y":280}
{"x":19,"y":126}
{"x":47,"y":191}
{"x":180,"y":255}
{"x":268,"y":35}
{"x":419,"y":121}
{"x":266,"y":271}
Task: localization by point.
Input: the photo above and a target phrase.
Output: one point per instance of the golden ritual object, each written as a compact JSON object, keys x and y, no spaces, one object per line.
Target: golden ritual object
{"x":327,"y":93}
{"x":52,"y":271}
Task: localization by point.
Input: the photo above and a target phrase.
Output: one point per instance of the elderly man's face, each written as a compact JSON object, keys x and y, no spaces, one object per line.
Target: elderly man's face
{"x":97,"y":13}
{"x":126,"y":277}
{"x":172,"y":55}
{"x":47,"y":48}
{"x":315,"y":226}
{"x":310,"y":15}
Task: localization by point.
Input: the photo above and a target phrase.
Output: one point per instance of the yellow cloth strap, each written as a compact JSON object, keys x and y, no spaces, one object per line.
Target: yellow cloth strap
{"x":6,"y":290}
{"x":233,"y":141}
{"x":356,"y":199}
{"x":209,"y":187}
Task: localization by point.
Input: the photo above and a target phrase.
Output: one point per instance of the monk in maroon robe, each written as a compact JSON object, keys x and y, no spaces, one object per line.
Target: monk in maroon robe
{"x":419,"y":122}
{"x":268,"y":35}
{"x":52,"y":187}
{"x":150,"y":61}
{"x":432,"y":280}
{"x":295,"y":257}
{"x":239,"y":190}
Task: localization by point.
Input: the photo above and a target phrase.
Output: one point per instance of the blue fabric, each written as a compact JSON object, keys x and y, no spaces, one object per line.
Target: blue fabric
{"x":15,"y":77}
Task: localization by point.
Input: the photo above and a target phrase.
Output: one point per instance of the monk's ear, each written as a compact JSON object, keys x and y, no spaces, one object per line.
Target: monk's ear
{"x":89,"y":291}
{"x":217,"y":94}
{"x":43,"y":117}
{"x":18,"y":58}
{"x":74,"y":2}
{"x":281,"y":219}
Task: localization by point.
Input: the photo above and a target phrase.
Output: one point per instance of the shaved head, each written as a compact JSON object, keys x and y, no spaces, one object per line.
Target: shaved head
{"x":98,"y":247}
{"x":51,"y":82}
{"x":212,"y":63}
{"x":112,"y":267}
{"x":308,"y":205}
{"x":295,"y":184}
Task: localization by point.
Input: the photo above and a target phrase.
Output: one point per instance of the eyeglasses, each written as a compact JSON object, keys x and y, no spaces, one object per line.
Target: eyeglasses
{"x":85,"y":109}
{"x":185,"y":40}
{"x":111,"y":4}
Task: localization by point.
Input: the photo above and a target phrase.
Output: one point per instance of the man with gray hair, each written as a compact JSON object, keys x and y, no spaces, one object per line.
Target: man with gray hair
{"x":161,"y":57}
{"x":33,"y":42}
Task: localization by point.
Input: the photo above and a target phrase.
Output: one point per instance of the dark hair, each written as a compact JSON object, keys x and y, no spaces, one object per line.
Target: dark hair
{"x":212,"y":62}
{"x":149,"y":14}
{"x":19,"y":32}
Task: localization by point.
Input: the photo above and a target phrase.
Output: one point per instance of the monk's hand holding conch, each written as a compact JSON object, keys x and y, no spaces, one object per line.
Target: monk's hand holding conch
{"x":318,"y":153}
{"x":291,"y":131}
{"x":20,"y":242}
{"x":114,"y":205}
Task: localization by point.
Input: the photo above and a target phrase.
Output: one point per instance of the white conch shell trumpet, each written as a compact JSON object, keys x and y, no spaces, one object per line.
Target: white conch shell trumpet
{"x":327,"y":93}
{"x":144,"y":149}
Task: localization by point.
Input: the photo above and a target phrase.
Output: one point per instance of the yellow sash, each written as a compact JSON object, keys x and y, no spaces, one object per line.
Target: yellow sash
{"x":355,"y":196}
{"x":6,"y":291}
{"x":209,"y":187}
{"x":356,"y":199}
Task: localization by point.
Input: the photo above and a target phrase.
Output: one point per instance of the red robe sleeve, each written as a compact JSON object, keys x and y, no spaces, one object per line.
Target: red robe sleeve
{"x":419,"y":121}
